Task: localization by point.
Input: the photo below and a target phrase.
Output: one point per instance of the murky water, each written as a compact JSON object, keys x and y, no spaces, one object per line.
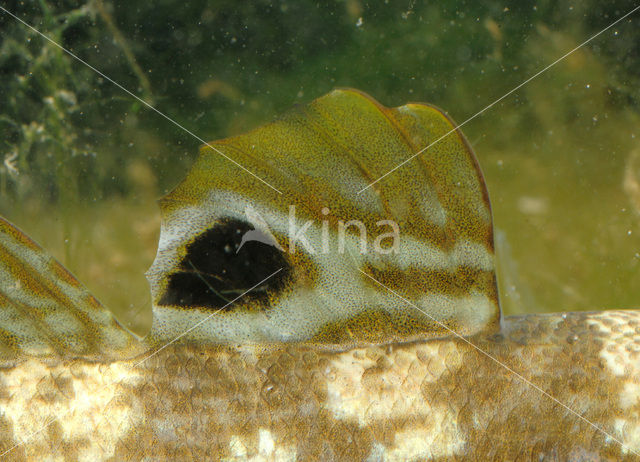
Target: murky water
{"x":83,"y":161}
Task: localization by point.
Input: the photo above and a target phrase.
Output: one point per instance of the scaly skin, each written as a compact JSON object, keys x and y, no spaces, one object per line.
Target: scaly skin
{"x":438,"y":399}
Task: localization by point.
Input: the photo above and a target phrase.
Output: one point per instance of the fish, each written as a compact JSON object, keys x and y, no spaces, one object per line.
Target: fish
{"x":333,"y":318}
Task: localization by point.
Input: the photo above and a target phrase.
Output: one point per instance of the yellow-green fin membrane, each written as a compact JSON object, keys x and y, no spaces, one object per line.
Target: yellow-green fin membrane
{"x":45,"y":312}
{"x":320,"y":156}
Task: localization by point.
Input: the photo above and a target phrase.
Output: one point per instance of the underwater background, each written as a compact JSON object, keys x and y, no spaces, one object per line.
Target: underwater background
{"x":82,"y":162}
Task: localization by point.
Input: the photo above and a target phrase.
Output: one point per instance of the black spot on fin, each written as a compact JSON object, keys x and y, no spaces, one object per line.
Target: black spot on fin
{"x":219,"y":266}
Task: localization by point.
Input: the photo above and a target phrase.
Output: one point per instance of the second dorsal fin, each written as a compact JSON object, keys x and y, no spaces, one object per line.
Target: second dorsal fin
{"x":424,"y":233}
{"x":46,"y":313}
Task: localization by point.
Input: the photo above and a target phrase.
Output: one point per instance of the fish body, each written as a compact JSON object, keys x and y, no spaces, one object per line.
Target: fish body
{"x":439,"y":399}
{"x":260,"y":352}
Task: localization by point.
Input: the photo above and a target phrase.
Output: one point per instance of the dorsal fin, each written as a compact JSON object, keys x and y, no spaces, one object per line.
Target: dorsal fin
{"x":45,"y":312}
{"x":320,"y":156}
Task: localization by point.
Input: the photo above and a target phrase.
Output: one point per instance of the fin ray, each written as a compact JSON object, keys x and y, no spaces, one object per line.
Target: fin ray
{"x":45,"y":311}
